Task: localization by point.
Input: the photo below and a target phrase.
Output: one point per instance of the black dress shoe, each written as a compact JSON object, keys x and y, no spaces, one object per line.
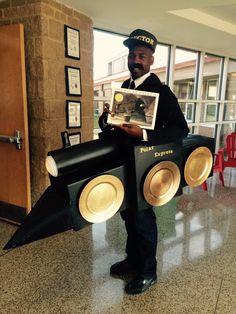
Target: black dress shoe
{"x":140,"y":284}
{"x":122,"y":268}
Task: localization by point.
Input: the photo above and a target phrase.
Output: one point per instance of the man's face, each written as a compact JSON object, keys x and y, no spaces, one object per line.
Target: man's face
{"x":140,"y":59}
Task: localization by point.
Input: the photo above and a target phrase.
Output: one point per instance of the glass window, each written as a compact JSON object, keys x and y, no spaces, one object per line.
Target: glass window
{"x":117,"y":66}
{"x":184,"y":73}
{"x":188,"y":109}
{"x":113,"y":58}
{"x":192,"y":129}
{"x":104,"y":54}
{"x":207,"y":130}
{"x":211,"y":77}
{"x":211,"y":87}
{"x":225,"y":130}
{"x":231,"y":81}
{"x":230,"y":112}
{"x":110,"y":68}
{"x":209,"y":112}
{"x":124,"y":63}
{"x":160,"y":65}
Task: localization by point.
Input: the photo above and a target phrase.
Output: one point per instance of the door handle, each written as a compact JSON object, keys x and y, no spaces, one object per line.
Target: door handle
{"x":17,"y":139}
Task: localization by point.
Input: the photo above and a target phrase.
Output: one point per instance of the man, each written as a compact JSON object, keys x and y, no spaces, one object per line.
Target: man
{"x":170,"y":125}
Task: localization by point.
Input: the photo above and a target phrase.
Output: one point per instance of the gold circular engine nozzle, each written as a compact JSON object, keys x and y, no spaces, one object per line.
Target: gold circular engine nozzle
{"x":101,"y":198}
{"x":198,"y":166}
{"x":161,"y":183}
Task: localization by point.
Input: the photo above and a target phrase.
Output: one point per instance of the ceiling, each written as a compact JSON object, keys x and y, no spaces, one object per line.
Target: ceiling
{"x":208,"y":25}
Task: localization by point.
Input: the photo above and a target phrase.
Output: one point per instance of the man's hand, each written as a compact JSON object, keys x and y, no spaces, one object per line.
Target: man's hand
{"x":131,"y":129}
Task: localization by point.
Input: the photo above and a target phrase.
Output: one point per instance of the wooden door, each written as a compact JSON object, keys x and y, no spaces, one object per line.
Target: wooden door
{"x":14,"y":162}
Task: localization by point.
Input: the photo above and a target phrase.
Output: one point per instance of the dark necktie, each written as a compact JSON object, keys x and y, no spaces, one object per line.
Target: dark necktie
{"x":132,"y":85}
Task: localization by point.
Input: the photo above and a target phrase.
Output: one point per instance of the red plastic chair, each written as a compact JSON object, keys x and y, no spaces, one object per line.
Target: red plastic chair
{"x":229,"y":152}
{"x":217,"y":167}
{"x":226,"y":157}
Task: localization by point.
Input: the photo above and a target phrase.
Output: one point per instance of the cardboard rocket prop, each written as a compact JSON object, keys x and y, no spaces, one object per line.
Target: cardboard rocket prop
{"x":92,"y":181}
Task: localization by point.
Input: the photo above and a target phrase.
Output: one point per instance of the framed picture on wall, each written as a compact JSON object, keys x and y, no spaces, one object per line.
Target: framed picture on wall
{"x":72,"y":42}
{"x":73,"y":81}
{"x":74,"y":138}
{"x":73,"y":114}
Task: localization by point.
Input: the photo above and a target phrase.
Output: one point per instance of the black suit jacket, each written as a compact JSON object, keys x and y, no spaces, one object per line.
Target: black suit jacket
{"x":170,"y":122}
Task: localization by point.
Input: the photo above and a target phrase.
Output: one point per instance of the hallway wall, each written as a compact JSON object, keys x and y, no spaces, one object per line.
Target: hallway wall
{"x":44,"y":22}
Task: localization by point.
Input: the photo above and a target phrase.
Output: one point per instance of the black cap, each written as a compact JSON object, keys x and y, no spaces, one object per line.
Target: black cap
{"x":140,"y":37}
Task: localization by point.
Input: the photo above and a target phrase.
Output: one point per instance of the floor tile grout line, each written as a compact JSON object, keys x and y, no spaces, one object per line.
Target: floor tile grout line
{"x":210,"y":275}
{"x":218,"y":295}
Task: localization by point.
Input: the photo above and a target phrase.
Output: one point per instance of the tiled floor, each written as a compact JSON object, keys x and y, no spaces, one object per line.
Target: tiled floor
{"x":69,"y":272}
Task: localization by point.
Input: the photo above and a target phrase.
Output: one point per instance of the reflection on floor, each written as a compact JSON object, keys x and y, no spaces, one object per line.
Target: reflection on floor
{"x":69,"y":272}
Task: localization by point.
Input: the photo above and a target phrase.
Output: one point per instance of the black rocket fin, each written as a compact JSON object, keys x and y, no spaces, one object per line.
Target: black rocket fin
{"x":51,"y":214}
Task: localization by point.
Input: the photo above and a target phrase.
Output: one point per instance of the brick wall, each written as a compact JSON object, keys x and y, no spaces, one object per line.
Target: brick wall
{"x":44,"y":22}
